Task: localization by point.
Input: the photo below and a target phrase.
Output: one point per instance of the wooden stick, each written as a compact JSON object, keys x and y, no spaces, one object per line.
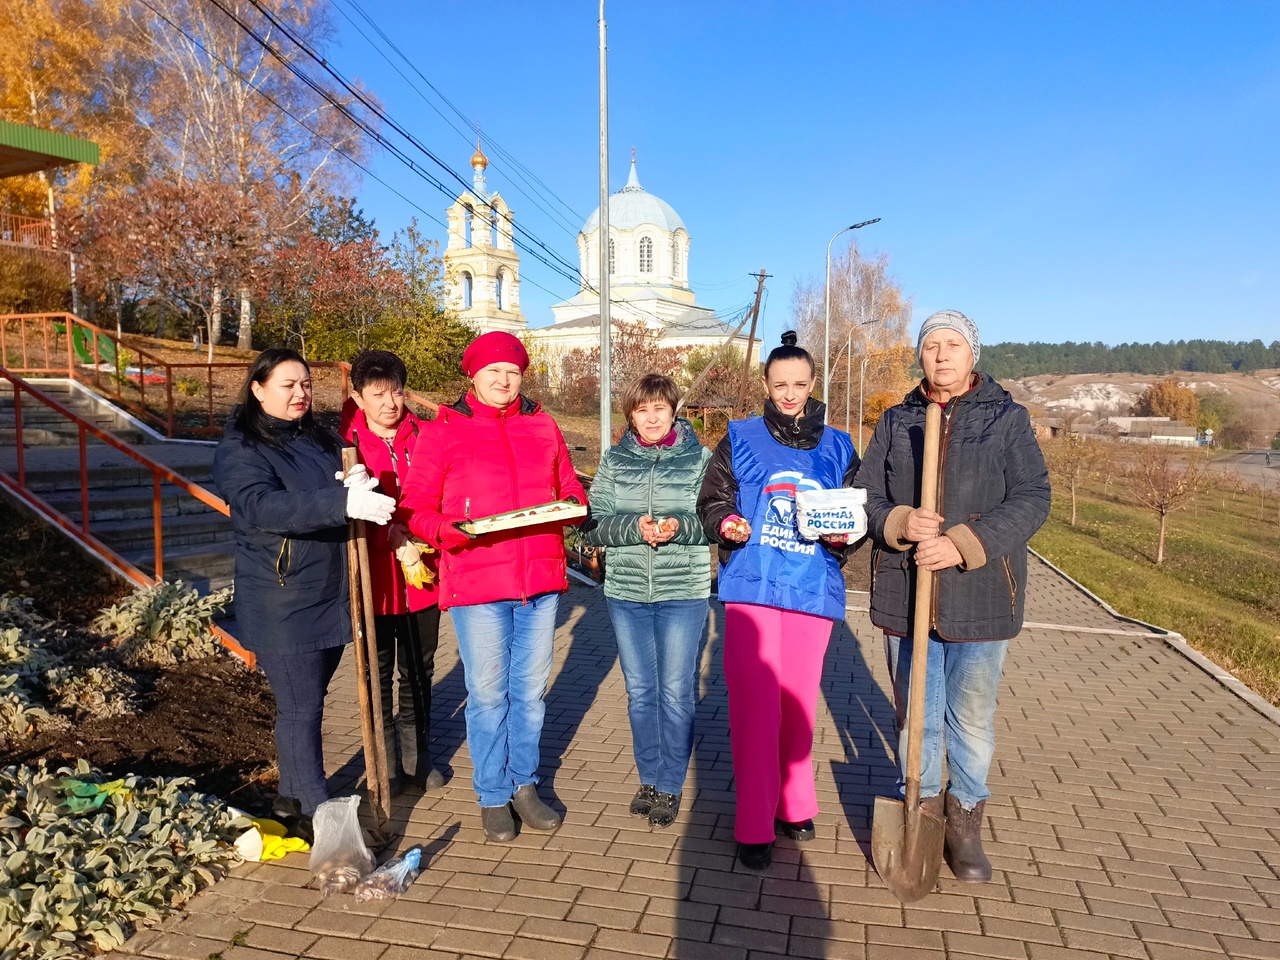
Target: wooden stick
{"x":381,"y":799}
{"x":362,"y":638}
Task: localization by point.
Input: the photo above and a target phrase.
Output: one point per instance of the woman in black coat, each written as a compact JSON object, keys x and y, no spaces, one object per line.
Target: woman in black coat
{"x":277,"y":468}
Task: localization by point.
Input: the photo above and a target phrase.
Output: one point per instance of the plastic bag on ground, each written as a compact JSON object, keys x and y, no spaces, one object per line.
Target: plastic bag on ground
{"x":339,"y":856}
{"x":392,"y":878}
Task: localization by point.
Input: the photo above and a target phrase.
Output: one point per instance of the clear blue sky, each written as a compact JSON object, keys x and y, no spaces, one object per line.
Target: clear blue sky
{"x":1059,"y":171}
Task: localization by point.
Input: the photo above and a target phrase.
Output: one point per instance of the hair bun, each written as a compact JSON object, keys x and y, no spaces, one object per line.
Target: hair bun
{"x":790,"y":338}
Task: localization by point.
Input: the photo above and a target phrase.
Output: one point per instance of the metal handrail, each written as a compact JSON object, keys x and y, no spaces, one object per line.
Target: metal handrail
{"x":82,"y":534}
{"x":26,"y":231}
{"x":47,"y":338}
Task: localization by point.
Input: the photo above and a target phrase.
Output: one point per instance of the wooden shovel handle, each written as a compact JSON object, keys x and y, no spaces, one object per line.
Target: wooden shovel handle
{"x":922,"y":621}
{"x":368,"y":682}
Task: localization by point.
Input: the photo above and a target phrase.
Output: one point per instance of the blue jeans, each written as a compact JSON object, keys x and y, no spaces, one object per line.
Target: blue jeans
{"x":961,"y":682}
{"x":658,"y":647}
{"x":506,"y":649}
{"x":298,"y":682}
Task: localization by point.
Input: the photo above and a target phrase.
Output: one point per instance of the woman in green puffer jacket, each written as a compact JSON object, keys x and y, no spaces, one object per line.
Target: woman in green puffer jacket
{"x":657,"y":581}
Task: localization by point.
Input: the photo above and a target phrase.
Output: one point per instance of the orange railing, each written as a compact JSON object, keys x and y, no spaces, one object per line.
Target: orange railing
{"x":26,"y":231}
{"x":135,"y":378}
{"x":83,"y":532}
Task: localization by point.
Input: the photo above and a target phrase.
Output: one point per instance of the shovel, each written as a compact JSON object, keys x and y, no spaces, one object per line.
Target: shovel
{"x":906,"y":842}
{"x":368,"y":687}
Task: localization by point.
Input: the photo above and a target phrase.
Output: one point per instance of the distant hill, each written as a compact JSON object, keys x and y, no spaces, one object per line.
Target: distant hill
{"x":1096,"y":395}
{"x":1006,"y":361}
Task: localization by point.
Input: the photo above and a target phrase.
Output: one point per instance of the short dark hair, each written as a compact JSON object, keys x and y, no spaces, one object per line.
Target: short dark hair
{"x":377,"y":366}
{"x":789,"y":351}
{"x":252,"y":421}
{"x":647,"y":387}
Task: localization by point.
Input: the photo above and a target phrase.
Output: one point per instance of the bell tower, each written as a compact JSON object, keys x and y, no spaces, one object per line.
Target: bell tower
{"x":481,"y":264}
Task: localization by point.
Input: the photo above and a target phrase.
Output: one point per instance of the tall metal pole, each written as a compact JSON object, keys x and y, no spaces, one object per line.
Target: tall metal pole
{"x":826,"y":336}
{"x":606,"y":326}
{"x":862,"y":376}
{"x":848,"y":378}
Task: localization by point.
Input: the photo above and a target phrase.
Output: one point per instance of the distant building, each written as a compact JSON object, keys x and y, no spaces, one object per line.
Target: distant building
{"x":1155,"y":430}
{"x":481,"y":265}
{"x":648,"y":270}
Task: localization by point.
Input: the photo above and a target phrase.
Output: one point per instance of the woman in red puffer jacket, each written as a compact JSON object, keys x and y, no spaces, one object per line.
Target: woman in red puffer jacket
{"x":384,"y":431}
{"x":491,"y":452}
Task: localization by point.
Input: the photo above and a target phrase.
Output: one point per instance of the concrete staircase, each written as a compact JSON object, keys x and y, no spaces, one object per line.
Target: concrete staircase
{"x":197,"y":539}
{"x":44,"y":427}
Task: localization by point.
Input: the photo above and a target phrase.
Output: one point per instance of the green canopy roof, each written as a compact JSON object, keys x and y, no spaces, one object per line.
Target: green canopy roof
{"x":30,"y":149}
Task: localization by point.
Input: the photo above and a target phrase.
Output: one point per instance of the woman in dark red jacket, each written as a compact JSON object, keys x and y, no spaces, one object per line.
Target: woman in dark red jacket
{"x":491,"y":452}
{"x":406,"y":621}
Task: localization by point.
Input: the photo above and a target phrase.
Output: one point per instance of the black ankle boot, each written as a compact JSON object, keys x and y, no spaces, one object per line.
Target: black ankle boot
{"x":642,"y":802}
{"x":664,"y":810}
{"x":755,"y":856}
{"x":802,"y":831}
{"x":964,"y":852}
{"x":288,"y":812}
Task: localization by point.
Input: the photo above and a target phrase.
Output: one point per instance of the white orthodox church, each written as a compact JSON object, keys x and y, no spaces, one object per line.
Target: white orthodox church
{"x":648,"y":271}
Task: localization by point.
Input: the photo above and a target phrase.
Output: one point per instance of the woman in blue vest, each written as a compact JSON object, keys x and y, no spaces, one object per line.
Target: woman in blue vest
{"x":781,"y":594}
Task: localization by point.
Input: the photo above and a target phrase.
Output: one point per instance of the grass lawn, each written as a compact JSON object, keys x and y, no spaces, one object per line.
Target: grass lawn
{"x":1219,"y":585}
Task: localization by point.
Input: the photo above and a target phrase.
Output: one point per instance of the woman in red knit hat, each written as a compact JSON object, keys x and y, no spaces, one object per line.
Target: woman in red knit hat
{"x":492,"y":451}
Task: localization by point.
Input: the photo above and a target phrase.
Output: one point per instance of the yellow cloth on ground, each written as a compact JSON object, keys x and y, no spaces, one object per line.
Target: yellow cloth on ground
{"x":268,"y":840}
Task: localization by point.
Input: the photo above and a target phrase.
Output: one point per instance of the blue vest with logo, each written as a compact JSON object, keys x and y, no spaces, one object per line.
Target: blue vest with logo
{"x":776,"y":567}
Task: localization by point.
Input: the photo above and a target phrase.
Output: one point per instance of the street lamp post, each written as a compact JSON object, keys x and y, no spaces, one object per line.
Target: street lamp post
{"x":862,"y":376}
{"x":826,"y":336}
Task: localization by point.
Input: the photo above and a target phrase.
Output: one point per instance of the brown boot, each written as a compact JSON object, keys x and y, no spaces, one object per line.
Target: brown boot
{"x":964,"y":842}
{"x":934,"y":807}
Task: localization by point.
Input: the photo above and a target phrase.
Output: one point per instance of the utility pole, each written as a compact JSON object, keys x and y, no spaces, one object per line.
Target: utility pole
{"x":745,"y":386}
{"x":606,"y":324}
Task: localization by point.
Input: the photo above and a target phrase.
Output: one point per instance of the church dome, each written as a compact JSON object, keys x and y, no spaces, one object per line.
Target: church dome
{"x":632,"y":205}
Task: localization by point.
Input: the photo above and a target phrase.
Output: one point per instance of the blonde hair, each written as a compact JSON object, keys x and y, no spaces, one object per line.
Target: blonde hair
{"x":647,"y":387}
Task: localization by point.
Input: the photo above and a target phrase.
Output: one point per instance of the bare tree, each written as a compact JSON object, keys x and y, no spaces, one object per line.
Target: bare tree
{"x":224,"y":110}
{"x":869,"y":318}
{"x":1165,"y":480}
{"x":1073,"y":459}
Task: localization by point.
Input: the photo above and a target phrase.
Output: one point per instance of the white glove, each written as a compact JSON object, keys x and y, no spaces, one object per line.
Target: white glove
{"x":364,"y":504}
{"x":357,"y":478}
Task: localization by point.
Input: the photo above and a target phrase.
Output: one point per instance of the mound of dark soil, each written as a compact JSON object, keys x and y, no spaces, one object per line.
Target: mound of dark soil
{"x":210,"y":720}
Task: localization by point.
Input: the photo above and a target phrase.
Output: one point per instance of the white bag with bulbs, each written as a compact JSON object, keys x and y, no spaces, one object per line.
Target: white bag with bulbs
{"x":825,"y":513}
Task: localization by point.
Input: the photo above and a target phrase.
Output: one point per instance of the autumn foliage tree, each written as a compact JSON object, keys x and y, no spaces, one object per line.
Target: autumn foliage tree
{"x":1164,"y":480}
{"x":1168,"y":398}
{"x":870,"y":314}
{"x":175,"y":244}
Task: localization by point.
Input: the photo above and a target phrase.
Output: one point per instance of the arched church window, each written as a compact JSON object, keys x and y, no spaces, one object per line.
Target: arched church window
{"x":646,"y":255}
{"x":497,"y":290}
{"x":467,"y":216}
{"x":675,"y":259}
{"x":612,"y":268}
{"x":466,"y":291}
{"x":493,"y":226}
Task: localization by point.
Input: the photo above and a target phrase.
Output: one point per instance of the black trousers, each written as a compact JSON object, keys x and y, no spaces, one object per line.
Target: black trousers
{"x":409,"y":640}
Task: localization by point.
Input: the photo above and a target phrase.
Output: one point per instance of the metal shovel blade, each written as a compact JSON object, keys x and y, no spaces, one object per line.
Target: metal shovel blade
{"x":906,"y":847}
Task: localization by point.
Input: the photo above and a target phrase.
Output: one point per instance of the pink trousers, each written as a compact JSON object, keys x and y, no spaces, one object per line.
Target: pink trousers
{"x":772,"y":668}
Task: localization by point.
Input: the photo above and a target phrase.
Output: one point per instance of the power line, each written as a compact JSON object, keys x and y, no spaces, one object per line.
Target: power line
{"x":566,"y":269}
{"x":333,"y":146}
{"x":520,"y":167}
{"x":492,"y":146}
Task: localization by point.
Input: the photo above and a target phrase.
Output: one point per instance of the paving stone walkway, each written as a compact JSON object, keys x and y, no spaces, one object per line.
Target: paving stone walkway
{"x":1136,"y":813}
